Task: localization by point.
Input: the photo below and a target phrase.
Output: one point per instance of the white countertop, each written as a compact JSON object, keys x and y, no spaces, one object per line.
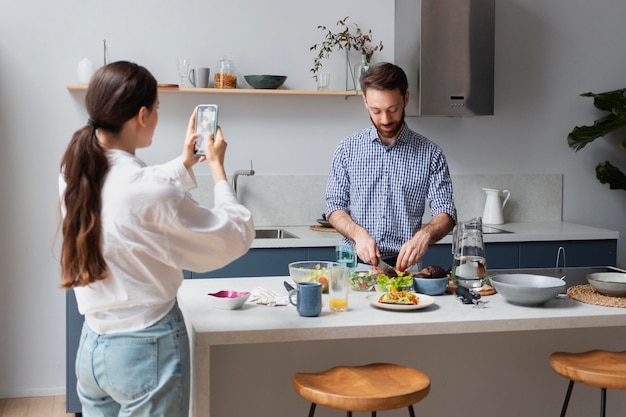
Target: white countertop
{"x":261,"y":324}
{"x":522,"y":232}
{"x":268,"y":344}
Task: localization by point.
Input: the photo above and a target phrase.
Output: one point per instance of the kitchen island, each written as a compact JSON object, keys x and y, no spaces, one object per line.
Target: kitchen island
{"x":485,"y":362}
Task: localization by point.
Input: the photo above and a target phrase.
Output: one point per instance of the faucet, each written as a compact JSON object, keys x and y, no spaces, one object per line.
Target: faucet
{"x":236,"y":174}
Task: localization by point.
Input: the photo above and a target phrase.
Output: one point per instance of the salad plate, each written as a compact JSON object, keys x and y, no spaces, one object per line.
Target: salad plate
{"x":423,"y":302}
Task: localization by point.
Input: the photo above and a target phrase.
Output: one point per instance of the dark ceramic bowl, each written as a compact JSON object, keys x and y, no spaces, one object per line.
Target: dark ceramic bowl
{"x":270,"y":82}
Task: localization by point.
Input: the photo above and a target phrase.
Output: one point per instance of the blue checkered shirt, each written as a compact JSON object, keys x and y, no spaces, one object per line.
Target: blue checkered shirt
{"x":384,"y":189}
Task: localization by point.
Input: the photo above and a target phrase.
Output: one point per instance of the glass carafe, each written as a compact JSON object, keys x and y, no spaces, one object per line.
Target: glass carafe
{"x":469,"y":268}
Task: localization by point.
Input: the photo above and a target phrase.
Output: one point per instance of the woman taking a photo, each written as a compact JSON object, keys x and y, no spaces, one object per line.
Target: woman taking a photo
{"x":128,"y":232}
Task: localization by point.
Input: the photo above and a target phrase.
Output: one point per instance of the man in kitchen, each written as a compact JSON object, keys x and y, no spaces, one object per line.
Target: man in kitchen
{"x":381,"y":177}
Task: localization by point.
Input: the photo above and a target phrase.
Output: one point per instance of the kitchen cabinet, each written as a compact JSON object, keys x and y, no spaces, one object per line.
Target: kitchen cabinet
{"x":513,"y":255}
{"x":501,"y":255}
{"x":577,"y":253}
{"x":267,"y":262}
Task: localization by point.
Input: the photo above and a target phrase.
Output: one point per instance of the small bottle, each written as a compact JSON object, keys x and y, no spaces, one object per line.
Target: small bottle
{"x":225,"y":75}
{"x":85,"y":71}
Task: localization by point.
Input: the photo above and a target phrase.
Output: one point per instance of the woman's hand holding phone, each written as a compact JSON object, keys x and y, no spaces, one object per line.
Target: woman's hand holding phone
{"x":215,"y":149}
{"x":189,"y":157}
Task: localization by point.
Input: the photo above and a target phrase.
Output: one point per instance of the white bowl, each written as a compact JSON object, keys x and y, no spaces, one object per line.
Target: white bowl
{"x":608,"y":283}
{"x":229,"y":300}
{"x":527,"y":289}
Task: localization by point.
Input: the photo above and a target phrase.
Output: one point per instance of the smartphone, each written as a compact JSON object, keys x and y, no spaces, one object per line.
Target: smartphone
{"x":206,"y":122}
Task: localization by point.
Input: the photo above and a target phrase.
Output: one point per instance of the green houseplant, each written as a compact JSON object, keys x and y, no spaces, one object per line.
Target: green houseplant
{"x":613,"y":102}
{"x":347,"y":40}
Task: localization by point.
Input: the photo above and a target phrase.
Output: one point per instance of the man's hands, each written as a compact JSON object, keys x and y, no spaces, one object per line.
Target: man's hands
{"x":414,"y":249}
{"x":410,"y":253}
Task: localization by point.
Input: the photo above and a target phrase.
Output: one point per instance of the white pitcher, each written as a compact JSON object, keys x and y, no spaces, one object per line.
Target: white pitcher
{"x":494,"y":205}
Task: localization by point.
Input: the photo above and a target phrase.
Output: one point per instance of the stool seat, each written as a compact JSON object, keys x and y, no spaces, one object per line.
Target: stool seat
{"x":372,"y":387}
{"x":598,"y":368}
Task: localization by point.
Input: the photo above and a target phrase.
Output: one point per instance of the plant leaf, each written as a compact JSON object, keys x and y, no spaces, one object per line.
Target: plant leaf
{"x":611,"y":101}
{"x":582,"y":135}
{"x":611,"y":175}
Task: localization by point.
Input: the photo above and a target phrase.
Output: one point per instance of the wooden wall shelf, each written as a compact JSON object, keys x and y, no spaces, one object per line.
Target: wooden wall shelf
{"x":244,"y":91}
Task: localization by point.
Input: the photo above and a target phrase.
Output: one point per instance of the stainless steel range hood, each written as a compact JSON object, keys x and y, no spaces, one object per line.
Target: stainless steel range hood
{"x":446,"y":48}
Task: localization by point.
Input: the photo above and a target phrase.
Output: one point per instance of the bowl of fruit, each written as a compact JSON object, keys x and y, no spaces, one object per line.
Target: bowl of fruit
{"x":311,"y":271}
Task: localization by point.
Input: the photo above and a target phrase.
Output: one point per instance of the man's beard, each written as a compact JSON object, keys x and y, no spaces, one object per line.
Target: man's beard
{"x":390,"y":134}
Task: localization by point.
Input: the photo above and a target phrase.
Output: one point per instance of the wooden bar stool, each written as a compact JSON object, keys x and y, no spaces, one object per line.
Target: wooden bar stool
{"x":373,"y":387}
{"x":598,"y":368}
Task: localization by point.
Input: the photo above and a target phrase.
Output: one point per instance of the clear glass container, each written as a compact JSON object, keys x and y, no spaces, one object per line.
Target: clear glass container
{"x":225,"y":74}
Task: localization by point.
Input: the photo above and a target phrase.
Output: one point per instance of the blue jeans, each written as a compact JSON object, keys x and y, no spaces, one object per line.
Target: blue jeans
{"x":140,"y":373}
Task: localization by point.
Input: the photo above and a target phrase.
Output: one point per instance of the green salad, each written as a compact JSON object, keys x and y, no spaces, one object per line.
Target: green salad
{"x":403,"y":282}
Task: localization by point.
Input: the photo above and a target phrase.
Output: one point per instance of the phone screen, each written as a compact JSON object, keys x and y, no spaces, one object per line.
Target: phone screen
{"x":206,"y":122}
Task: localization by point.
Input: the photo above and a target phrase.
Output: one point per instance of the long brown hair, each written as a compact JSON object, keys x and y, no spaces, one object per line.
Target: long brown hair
{"x":115,"y":95}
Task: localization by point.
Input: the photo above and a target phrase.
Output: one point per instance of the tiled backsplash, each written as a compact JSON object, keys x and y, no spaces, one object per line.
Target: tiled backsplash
{"x":298,"y":200}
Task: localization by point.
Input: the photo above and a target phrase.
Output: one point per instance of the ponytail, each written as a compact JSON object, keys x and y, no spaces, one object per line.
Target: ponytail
{"x":84,"y":167}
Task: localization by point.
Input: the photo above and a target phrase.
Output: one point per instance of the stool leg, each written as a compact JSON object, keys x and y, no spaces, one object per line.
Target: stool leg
{"x":373,"y":413}
{"x":411,"y":412}
{"x":312,"y":409}
{"x":603,"y":402}
{"x":567,"y":395}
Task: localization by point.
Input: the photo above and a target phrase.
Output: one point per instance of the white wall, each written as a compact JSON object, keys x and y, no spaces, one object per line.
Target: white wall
{"x":547,"y":53}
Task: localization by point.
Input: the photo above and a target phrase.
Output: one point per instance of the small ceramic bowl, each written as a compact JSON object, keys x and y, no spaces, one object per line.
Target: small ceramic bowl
{"x":229,"y":300}
{"x":431,"y":286}
{"x":608,"y":283}
{"x":265,"y":81}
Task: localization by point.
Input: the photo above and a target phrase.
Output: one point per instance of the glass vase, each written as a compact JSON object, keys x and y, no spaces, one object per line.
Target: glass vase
{"x":350,"y":85}
{"x":358,"y":70}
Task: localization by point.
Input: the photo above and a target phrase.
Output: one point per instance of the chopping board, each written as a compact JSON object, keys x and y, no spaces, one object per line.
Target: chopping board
{"x":483,"y":291}
{"x":317,"y":228}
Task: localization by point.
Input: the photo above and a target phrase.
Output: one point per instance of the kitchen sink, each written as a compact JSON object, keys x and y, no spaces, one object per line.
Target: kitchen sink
{"x":274,"y":234}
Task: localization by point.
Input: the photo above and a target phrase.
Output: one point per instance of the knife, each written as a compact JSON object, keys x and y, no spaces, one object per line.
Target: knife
{"x":382,"y":265}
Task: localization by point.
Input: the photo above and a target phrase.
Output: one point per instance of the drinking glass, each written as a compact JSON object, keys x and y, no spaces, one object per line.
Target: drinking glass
{"x":338,"y":286}
{"x":346,"y":255}
{"x":183,"y":70}
{"x":323,"y":81}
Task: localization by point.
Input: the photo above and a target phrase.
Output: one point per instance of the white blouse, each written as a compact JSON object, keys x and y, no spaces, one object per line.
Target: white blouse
{"x":153,"y":229}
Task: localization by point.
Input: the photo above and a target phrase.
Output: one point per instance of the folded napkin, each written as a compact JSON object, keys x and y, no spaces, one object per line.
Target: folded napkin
{"x":268,"y":297}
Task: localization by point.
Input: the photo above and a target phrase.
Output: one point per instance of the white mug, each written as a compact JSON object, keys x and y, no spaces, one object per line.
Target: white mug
{"x":199,"y":77}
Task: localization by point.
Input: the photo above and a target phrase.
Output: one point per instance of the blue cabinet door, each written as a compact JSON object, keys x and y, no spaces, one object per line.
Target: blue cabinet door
{"x":498,"y":255}
{"x":73,"y":327}
{"x":258,"y":262}
{"x":577,"y":253}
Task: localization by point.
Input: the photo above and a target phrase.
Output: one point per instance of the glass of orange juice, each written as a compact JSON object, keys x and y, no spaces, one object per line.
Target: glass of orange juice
{"x":338,"y":286}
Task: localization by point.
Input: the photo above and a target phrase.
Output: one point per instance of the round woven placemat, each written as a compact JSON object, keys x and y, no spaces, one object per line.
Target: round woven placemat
{"x":587,"y":294}
{"x":322,"y":228}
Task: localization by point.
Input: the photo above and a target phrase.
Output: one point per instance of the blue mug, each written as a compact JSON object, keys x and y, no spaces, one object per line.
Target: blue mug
{"x":308,"y":298}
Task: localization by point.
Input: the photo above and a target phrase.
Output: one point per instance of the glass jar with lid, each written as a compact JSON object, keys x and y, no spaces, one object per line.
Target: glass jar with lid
{"x":225,"y":74}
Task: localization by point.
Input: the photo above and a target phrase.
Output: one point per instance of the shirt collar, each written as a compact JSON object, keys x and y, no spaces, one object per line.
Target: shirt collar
{"x":402,"y":137}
